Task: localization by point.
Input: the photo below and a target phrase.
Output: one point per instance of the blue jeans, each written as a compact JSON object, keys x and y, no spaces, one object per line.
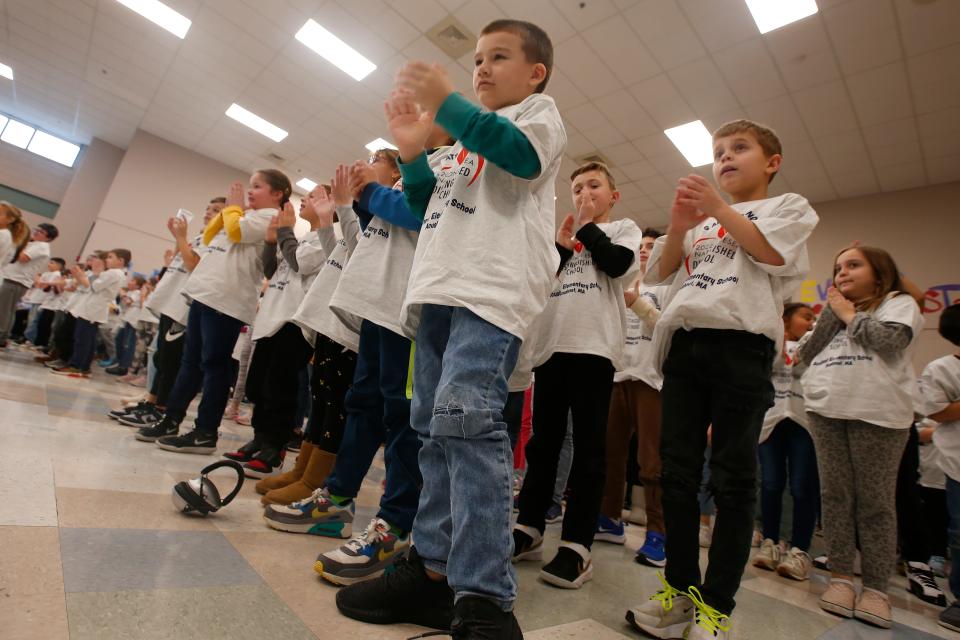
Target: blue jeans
{"x":462,"y":528}
{"x":207,"y":364}
{"x":84,"y":344}
{"x":953,"y":507}
{"x":378,"y":412}
{"x":126,"y":341}
{"x":789,"y":450}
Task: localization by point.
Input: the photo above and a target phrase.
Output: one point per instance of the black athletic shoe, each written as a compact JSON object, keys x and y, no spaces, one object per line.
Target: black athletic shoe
{"x":296,"y":440}
{"x":145,"y":417}
{"x":267,"y":462}
{"x":569,"y":569}
{"x":477,"y":618}
{"x":116,"y":414}
{"x":922,"y":584}
{"x":950,"y":617}
{"x":404,"y":595}
{"x":166,"y":427}
{"x":245,"y":453}
{"x":192,"y":442}
{"x":116,"y":371}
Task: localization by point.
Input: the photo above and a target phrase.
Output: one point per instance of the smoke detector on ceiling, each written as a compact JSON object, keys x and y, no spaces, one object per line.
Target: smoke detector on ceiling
{"x":452,"y":37}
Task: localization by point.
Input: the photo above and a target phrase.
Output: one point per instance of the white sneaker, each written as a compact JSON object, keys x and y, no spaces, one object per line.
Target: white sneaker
{"x":666,"y":614}
{"x":796,"y":565}
{"x":708,"y":626}
{"x":706,"y":535}
{"x":769,"y":556}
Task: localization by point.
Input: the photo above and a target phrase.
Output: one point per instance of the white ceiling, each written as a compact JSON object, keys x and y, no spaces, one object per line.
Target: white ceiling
{"x":865,"y":94}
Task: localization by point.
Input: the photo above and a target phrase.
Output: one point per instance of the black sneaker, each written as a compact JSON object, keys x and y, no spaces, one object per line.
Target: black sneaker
{"x":195,"y":441}
{"x":267,"y":462}
{"x":166,"y":427}
{"x":55,"y":364}
{"x":477,"y":618}
{"x":922,"y":584}
{"x":147,"y":416}
{"x":116,"y":371}
{"x":116,"y":414}
{"x":950,"y":617}
{"x":245,"y":453}
{"x":404,"y":595}
{"x":570,"y":568}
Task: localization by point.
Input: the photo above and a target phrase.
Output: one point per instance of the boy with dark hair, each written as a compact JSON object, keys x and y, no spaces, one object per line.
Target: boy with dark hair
{"x":484,"y":266}
{"x":728,"y":269}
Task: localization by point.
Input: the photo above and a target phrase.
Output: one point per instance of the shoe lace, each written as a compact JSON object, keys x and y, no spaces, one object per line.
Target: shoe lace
{"x":374,"y":533}
{"x":666,"y":595}
{"x":317,"y":496}
{"x":924,"y":577}
{"x":709,"y":618}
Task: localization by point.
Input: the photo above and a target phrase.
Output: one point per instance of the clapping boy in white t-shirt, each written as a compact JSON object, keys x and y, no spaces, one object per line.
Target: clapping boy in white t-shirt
{"x":728,"y":269}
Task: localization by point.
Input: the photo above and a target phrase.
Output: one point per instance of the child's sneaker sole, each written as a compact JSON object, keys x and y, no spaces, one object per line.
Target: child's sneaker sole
{"x":342,"y":530}
{"x":650,"y":562}
{"x":612,"y":538}
{"x":871,"y":619}
{"x":197,"y":450}
{"x":344,"y":581}
{"x":557,"y":581}
{"x":533,"y":553}
{"x":673,"y":632}
{"x":836,"y":609}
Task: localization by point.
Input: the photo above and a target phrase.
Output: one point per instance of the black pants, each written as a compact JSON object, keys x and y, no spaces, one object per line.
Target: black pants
{"x":911,"y":524}
{"x":577,"y":384}
{"x":44,"y":323}
{"x":167,"y":358}
{"x":63,"y":337}
{"x":721,"y":378}
{"x":936,"y":519}
{"x":273,"y":382}
{"x":333,"y":369}
{"x":513,"y":416}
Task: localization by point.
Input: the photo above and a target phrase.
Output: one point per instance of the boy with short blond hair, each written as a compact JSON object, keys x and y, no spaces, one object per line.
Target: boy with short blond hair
{"x":728,"y":268}
{"x":484,"y":266}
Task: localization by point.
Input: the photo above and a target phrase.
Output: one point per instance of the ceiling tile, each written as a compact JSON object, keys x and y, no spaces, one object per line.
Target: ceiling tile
{"x":584,"y":15}
{"x":720,"y":23}
{"x":585,"y":68}
{"x":881,"y":94}
{"x":564,"y":92}
{"x":750,"y":71}
{"x":639,"y":170}
{"x":662,"y":101}
{"x":864,"y":34}
{"x":604,"y":136}
{"x":851,"y":185}
{"x":586,"y":116}
{"x":618,"y":45}
{"x":825,"y":109}
{"x":542,"y":13}
{"x":901,"y":176}
{"x":935,"y":79}
{"x":803,"y":54}
{"x":781,"y":115}
{"x":702,"y":86}
{"x":925,"y":26}
{"x":939,"y":132}
{"x":844,"y":153}
{"x":623,"y":154}
{"x":623,"y":111}
{"x":893,"y":143}
{"x":382,"y":19}
{"x":944,"y":169}
{"x":477,"y":14}
{"x":666,"y":32}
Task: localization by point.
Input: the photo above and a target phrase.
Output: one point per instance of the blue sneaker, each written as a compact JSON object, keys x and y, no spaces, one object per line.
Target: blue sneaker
{"x":609,"y":530}
{"x":106,"y":363}
{"x":554,"y":514}
{"x":652,"y":553}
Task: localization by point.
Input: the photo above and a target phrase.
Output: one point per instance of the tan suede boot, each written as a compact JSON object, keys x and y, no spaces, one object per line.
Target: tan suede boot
{"x":320,"y":465}
{"x":288,"y":477}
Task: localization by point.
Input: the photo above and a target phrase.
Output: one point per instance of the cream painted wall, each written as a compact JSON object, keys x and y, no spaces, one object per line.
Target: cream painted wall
{"x":155,"y":179}
{"x":919,"y":227}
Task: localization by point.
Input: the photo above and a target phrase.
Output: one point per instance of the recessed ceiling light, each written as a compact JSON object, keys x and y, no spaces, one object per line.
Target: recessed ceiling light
{"x":306,"y":184}
{"x":17,"y":134}
{"x":335,"y":50}
{"x":379,"y":143}
{"x":256,"y":123}
{"x":773,"y":14}
{"x":693,"y":141}
{"x":6,"y":71}
{"x":161,"y":15}
{"x":53,"y":148}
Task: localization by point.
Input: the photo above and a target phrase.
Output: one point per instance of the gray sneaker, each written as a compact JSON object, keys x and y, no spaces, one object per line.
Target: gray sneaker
{"x":365,"y":557}
{"x":666,"y":614}
{"x":317,"y":515}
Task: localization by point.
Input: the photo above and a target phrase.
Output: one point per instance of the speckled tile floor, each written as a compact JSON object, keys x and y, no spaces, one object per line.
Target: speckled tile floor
{"x":91,"y":548}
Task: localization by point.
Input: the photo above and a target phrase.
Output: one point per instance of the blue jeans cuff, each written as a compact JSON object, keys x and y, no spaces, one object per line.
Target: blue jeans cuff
{"x":435,"y":566}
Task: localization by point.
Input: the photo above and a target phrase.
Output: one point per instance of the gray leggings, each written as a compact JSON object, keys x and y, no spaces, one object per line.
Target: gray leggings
{"x":858,"y":464}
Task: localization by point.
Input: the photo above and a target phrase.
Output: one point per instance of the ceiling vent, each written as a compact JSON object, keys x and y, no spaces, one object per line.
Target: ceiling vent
{"x":452,"y":37}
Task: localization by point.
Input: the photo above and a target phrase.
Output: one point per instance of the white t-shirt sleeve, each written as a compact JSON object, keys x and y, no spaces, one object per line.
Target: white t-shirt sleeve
{"x":652,"y":275}
{"x":630,"y":236}
{"x":310,"y":255}
{"x":37,"y":250}
{"x":538,"y":121}
{"x":933,"y":395}
{"x":253,"y":227}
{"x":107,"y":279}
{"x":350,"y":226}
{"x":787,"y":230}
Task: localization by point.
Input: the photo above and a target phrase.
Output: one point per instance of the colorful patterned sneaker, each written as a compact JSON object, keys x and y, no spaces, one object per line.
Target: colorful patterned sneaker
{"x":708,"y":623}
{"x":666,"y":614}
{"x":609,"y":530}
{"x":365,"y":557}
{"x":317,"y":515}
{"x":653,"y":553}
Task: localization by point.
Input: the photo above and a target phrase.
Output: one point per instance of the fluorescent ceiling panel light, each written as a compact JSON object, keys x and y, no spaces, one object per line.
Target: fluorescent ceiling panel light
{"x":17,"y":134}
{"x":306,"y":184}
{"x":773,"y":14}
{"x":54,"y":148}
{"x":379,"y":143}
{"x":161,"y":15}
{"x":256,"y":123}
{"x":335,"y":50}
{"x":693,"y":141}
{"x":6,"y":71}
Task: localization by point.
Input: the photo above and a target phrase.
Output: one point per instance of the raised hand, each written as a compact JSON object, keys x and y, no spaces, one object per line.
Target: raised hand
{"x":842,"y":308}
{"x":409,"y":125}
{"x":177,"y":228}
{"x":428,"y":84}
{"x":586,"y":211}
{"x":286,"y":217}
{"x":236,"y":196}
{"x":565,"y":234}
{"x":323,"y":207}
{"x":684,"y":215}
{"x":340,"y":186}
{"x":696,"y":191}
{"x":630,"y":295}
{"x":361,"y":174}
{"x":168,"y":256}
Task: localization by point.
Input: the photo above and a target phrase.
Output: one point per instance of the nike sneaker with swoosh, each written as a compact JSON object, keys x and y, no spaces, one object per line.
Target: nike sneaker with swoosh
{"x":317,"y":515}
{"x":365,"y":557}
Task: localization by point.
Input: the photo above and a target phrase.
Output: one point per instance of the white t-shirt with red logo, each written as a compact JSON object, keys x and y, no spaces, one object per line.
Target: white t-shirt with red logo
{"x":719,"y":286}
{"x":787,"y":394}
{"x":487,"y":241}
{"x":638,"y":352}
